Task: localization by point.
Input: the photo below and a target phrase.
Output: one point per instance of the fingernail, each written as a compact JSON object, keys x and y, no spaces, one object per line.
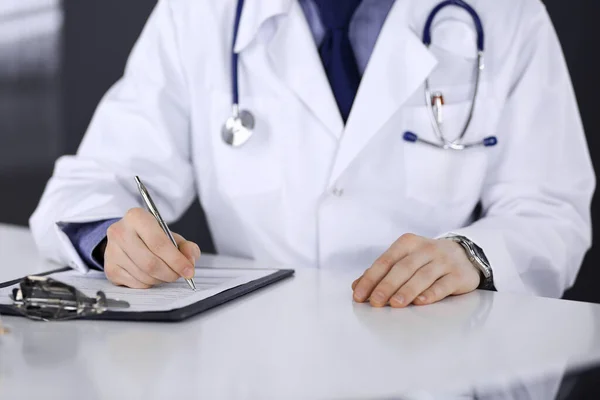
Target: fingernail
{"x":398,"y":299}
{"x":377,"y":297}
{"x":422,"y":298}
{"x":188,"y":272}
{"x":360,"y":294}
{"x":197,"y":252}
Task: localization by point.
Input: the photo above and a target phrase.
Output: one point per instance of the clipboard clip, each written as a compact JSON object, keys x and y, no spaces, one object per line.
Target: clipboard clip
{"x":46,"y":299}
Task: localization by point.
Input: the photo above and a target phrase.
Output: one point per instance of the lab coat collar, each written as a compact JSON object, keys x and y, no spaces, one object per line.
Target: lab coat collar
{"x":399,"y":65}
{"x":254,"y":14}
{"x":293,"y":56}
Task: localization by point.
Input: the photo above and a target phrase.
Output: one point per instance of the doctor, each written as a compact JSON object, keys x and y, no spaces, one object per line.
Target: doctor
{"x":366,"y":150}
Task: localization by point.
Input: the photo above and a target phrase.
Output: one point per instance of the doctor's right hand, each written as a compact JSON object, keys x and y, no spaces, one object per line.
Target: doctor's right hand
{"x":139,"y":254}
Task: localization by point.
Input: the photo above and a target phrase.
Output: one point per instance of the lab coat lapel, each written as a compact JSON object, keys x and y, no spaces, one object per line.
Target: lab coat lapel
{"x":295,"y":59}
{"x":399,"y":65}
{"x":254,"y":14}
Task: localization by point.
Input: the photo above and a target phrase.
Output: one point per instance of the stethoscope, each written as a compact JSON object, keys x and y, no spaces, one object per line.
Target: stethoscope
{"x":435,"y":101}
{"x":239,"y":127}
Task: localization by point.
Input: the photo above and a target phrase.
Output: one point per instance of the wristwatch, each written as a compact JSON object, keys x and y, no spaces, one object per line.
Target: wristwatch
{"x":478,"y":259}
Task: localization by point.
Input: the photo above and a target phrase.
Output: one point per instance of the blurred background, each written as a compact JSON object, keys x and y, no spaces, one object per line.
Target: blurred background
{"x":31,"y":118}
{"x":58,"y":58}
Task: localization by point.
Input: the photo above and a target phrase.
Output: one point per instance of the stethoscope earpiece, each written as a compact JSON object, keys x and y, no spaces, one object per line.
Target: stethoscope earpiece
{"x":490,"y":141}
{"x":410,"y":137}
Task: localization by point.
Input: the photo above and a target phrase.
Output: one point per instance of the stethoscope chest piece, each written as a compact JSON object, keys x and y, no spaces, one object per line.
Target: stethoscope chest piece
{"x":238,"y":128}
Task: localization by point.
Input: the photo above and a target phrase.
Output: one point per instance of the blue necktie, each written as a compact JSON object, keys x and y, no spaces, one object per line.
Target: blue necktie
{"x":336,"y":51}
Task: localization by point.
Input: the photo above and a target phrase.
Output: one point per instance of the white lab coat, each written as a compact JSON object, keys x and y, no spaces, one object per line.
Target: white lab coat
{"x":307,"y":190}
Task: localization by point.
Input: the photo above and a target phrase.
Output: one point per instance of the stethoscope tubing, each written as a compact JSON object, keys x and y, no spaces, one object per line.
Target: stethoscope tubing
{"x":465,"y":6}
{"x":235,"y":92}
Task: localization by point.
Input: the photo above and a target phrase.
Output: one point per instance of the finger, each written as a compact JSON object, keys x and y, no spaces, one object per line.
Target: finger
{"x":158,"y":242}
{"x":418,"y":283}
{"x":190,"y":250}
{"x":193,"y":248}
{"x":160,"y":245}
{"x":372,"y":276}
{"x":117,"y":256}
{"x":120,"y":277}
{"x":356,"y":282}
{"x":442,"y":288}
{"x":136,"y":251}
{"x":400,"y":273}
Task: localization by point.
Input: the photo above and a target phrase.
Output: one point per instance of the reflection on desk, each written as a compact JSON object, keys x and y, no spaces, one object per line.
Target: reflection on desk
{"x":305,"y":338}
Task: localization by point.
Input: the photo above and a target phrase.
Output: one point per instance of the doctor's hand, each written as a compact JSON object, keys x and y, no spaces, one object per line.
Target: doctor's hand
{"x":417,"y":270}
{"x":139,"y":254}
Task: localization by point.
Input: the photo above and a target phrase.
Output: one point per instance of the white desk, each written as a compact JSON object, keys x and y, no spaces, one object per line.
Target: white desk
{"x":301,"y":338}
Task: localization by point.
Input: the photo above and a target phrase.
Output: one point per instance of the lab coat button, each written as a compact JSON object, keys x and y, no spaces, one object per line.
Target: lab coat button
{"x":337,"y":192}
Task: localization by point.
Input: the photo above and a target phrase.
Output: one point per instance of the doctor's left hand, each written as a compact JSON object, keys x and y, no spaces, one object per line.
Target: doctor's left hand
{"x":417,"y":270}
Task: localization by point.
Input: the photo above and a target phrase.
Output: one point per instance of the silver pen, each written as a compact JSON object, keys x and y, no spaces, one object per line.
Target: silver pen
{"x":154,"y":211}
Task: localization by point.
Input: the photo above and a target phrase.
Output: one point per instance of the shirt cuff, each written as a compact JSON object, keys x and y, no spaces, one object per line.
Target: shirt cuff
{"x":86,"y":237}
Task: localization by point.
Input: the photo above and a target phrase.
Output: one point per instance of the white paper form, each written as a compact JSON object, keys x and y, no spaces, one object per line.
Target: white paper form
{"x":165,"y":297}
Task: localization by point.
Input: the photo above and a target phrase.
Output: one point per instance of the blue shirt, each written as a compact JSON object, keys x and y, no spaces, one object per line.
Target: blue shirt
{"x":363,"y":32}
{"x":364,"y":27}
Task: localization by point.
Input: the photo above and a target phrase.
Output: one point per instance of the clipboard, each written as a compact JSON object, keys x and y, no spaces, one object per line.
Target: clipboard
{"x":173,"y":315}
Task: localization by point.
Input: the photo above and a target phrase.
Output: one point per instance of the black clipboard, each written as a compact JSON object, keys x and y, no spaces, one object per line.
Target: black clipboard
{"x":175,"y":315}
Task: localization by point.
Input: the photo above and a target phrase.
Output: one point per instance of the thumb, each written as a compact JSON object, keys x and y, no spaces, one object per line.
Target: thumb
{"x":189,"y":249}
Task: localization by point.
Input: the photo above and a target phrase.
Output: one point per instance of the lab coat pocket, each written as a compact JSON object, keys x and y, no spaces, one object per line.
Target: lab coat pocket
{"x":449,"y":178}
{"x":252,"y":168}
